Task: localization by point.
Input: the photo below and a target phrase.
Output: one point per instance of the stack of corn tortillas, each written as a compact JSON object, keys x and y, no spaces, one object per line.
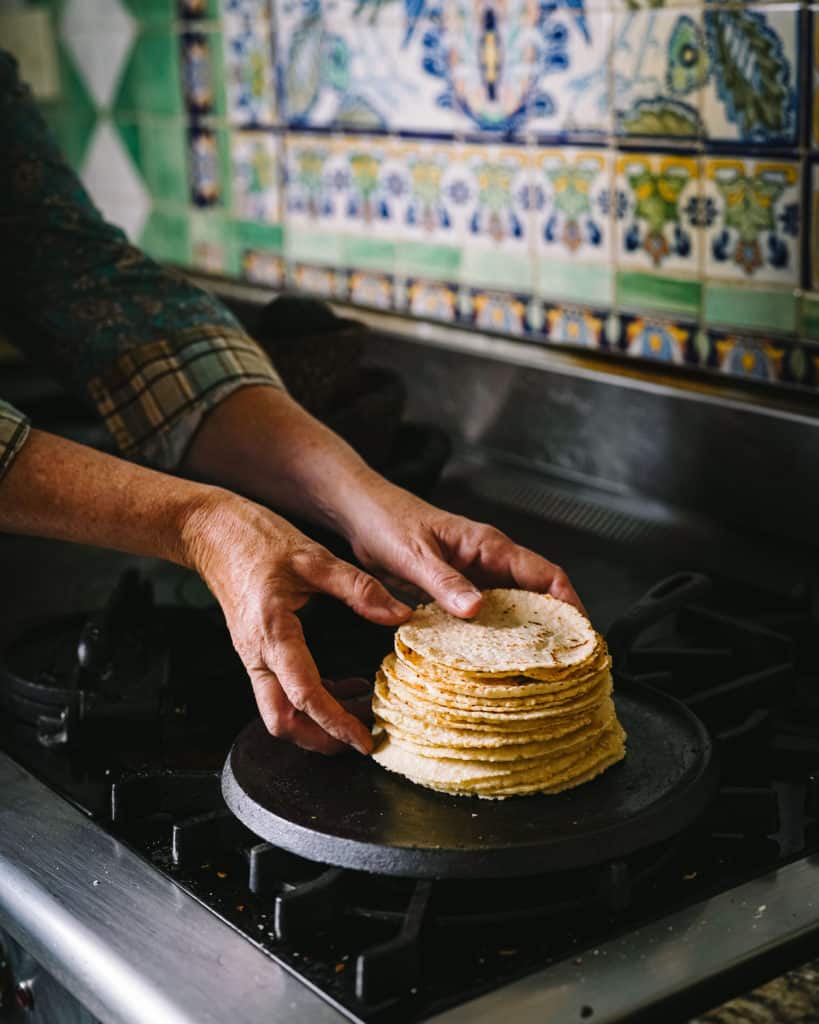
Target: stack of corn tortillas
{"x":514,"y":701}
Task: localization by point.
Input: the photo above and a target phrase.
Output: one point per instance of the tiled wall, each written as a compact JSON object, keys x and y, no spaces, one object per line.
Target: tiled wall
{"x":636,"y":177}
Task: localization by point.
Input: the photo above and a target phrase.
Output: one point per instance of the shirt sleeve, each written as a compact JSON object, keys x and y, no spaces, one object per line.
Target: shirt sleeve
{"x":151,"y":352}
{"x":14,"y":428}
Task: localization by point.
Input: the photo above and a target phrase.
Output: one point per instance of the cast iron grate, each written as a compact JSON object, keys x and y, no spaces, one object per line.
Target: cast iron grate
{"x":390,"y":948}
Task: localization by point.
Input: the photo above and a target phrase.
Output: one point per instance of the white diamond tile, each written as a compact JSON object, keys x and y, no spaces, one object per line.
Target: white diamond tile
{"x":113,"y":182}
{"x":99,"y":35}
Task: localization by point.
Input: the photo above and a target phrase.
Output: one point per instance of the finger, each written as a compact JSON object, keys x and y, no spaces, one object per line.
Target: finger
{"x":342,"y":689}
{"x":361,"y":707}
{"x":449,"y":587}
{"x":357,"y":589}
{"x":286,"y":655}
{"x":532,"y":572}
{"x":283,"y":721}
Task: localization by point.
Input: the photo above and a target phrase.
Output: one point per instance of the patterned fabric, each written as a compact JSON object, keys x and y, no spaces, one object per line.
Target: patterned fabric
{"x":152,"y":352}
{"x":14,"y":428}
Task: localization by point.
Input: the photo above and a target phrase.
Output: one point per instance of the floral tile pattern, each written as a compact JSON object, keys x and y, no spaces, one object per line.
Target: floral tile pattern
{"x":751,"y":210}
{"x":659,"y":213}
{"x":624,"y":176}
{"x":255,"y":176}
{"x":248,"y":55}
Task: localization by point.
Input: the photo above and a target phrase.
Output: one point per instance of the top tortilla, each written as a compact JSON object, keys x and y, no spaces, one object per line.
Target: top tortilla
{"x":515,"y":631}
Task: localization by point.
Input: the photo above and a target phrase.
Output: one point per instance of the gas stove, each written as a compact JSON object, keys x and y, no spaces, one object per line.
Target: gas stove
{"x":125,"y":875}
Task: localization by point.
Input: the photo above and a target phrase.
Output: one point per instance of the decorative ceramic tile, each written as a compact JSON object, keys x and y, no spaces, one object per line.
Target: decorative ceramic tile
{"x":249,"y":63}
{"x":325,"y":281}
{"x":570,"y":325}
{"x":752,"y":74}
{"x":752,"y":218}
{"x":659,"y":213}
{"x":749,"y":357}
{"x":426,"y":190}
{"x":500,"y":312}
{"x":151,"y":80}
{"x":114,"y":183}
{"x":499,"y":244}
{"x":432,"y":300}
{"x":255,"y":177}
{"x":204,"y":167}
{"x":311,"y":194}
{"x":371,"y":289}
{"x":262,"y":267}
{"x":196,"y":9}
{"x":662,"y":340}
{"x":519,"y":66}
{"x":572,"y":200}
{"x":659,"y":66}
{"x":99,"y":35}
{"x":199,"y":74}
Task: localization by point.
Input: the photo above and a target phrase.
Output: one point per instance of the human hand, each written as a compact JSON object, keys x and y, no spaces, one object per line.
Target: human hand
{"x":262,"y":570}
{"x":402,"y":538}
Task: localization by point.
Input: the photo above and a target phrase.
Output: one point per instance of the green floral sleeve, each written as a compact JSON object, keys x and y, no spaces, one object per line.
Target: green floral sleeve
{"x":150,"y":350}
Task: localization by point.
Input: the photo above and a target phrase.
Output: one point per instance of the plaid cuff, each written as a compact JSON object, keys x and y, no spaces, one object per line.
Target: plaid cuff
{"x":153,"y":398}
{"x":14,"y":429}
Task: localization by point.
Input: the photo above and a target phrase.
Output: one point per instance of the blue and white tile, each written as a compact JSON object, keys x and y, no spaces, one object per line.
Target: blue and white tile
{"x":499,"y":244}
{"x":356,"y":64}
{"x":754,"y":234}
{"x":427,"y":189}
{"x":368,"y":289}
{"x":660,"y":64}
{"x":574,"y":211}
{"x":255,"y":162}
{"x":432,"y":300}
{"x":249,"y":63}
{"x":576,"y":98}
{"x":312,"y":196}
{"x":198,"y":74}
{"x":752,"y":91}
{"x":658,"y":217}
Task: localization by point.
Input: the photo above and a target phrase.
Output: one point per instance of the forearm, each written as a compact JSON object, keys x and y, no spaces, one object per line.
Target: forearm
{"x":66,"y":491}
{"x":261,"y":443}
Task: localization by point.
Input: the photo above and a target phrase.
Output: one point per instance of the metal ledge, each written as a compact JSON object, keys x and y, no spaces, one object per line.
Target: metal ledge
{"x":679,"y":965}
{"x":642,"y":375}
{"x":126,"y":941}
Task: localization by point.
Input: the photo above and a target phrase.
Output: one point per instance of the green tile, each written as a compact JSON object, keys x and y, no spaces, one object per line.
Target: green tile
{"x":152,"y":10}
{"x":151,"y":83}
{"x":214,"y":244}
{"x":252,"y":235}
{"x":128,"y":129}
{"x":750,"y":308}
{"x":165,"y":140}
{"x":566,"y":281}
{"x":368,"y":253}
{"x":321,"y":247}
{"x":421,"y":258}
{"x":810,"y":316}
{"x":652,"y":293}
{"x":73,"y":117}
{"x":166,"y":237}
{"x":497,"y":269}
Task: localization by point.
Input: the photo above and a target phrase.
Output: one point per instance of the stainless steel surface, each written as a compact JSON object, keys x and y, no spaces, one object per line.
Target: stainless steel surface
{"x":126,"y":941}
{"x":48,"y":1001}
{"x":742,"y":456}
{"x":675,"y":953}
{"x":522,"y":352}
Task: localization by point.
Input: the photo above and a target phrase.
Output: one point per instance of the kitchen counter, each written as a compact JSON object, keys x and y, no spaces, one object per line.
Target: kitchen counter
{"x":792,"y":998}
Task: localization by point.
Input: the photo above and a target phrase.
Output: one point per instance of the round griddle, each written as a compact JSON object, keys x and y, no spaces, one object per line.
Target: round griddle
{"x":351,"y":812}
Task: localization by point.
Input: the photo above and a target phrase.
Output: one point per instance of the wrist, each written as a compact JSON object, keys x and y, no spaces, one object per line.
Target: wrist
{"x":203,"y":520}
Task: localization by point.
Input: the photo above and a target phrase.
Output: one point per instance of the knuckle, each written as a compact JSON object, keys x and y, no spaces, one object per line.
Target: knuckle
{"x":365,"y":588}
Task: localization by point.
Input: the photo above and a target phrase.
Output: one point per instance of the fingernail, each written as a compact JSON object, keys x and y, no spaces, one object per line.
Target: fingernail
{"x":466,"y":599}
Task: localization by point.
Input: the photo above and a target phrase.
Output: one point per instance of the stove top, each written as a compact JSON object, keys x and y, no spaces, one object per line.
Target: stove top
{"x":128,"y":711}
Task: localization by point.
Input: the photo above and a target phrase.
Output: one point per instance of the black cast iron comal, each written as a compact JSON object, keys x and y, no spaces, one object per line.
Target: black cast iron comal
{"x":351,"y":812}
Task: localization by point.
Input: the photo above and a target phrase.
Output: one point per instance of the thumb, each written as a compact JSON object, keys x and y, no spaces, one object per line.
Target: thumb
{"x":451,"y":589}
